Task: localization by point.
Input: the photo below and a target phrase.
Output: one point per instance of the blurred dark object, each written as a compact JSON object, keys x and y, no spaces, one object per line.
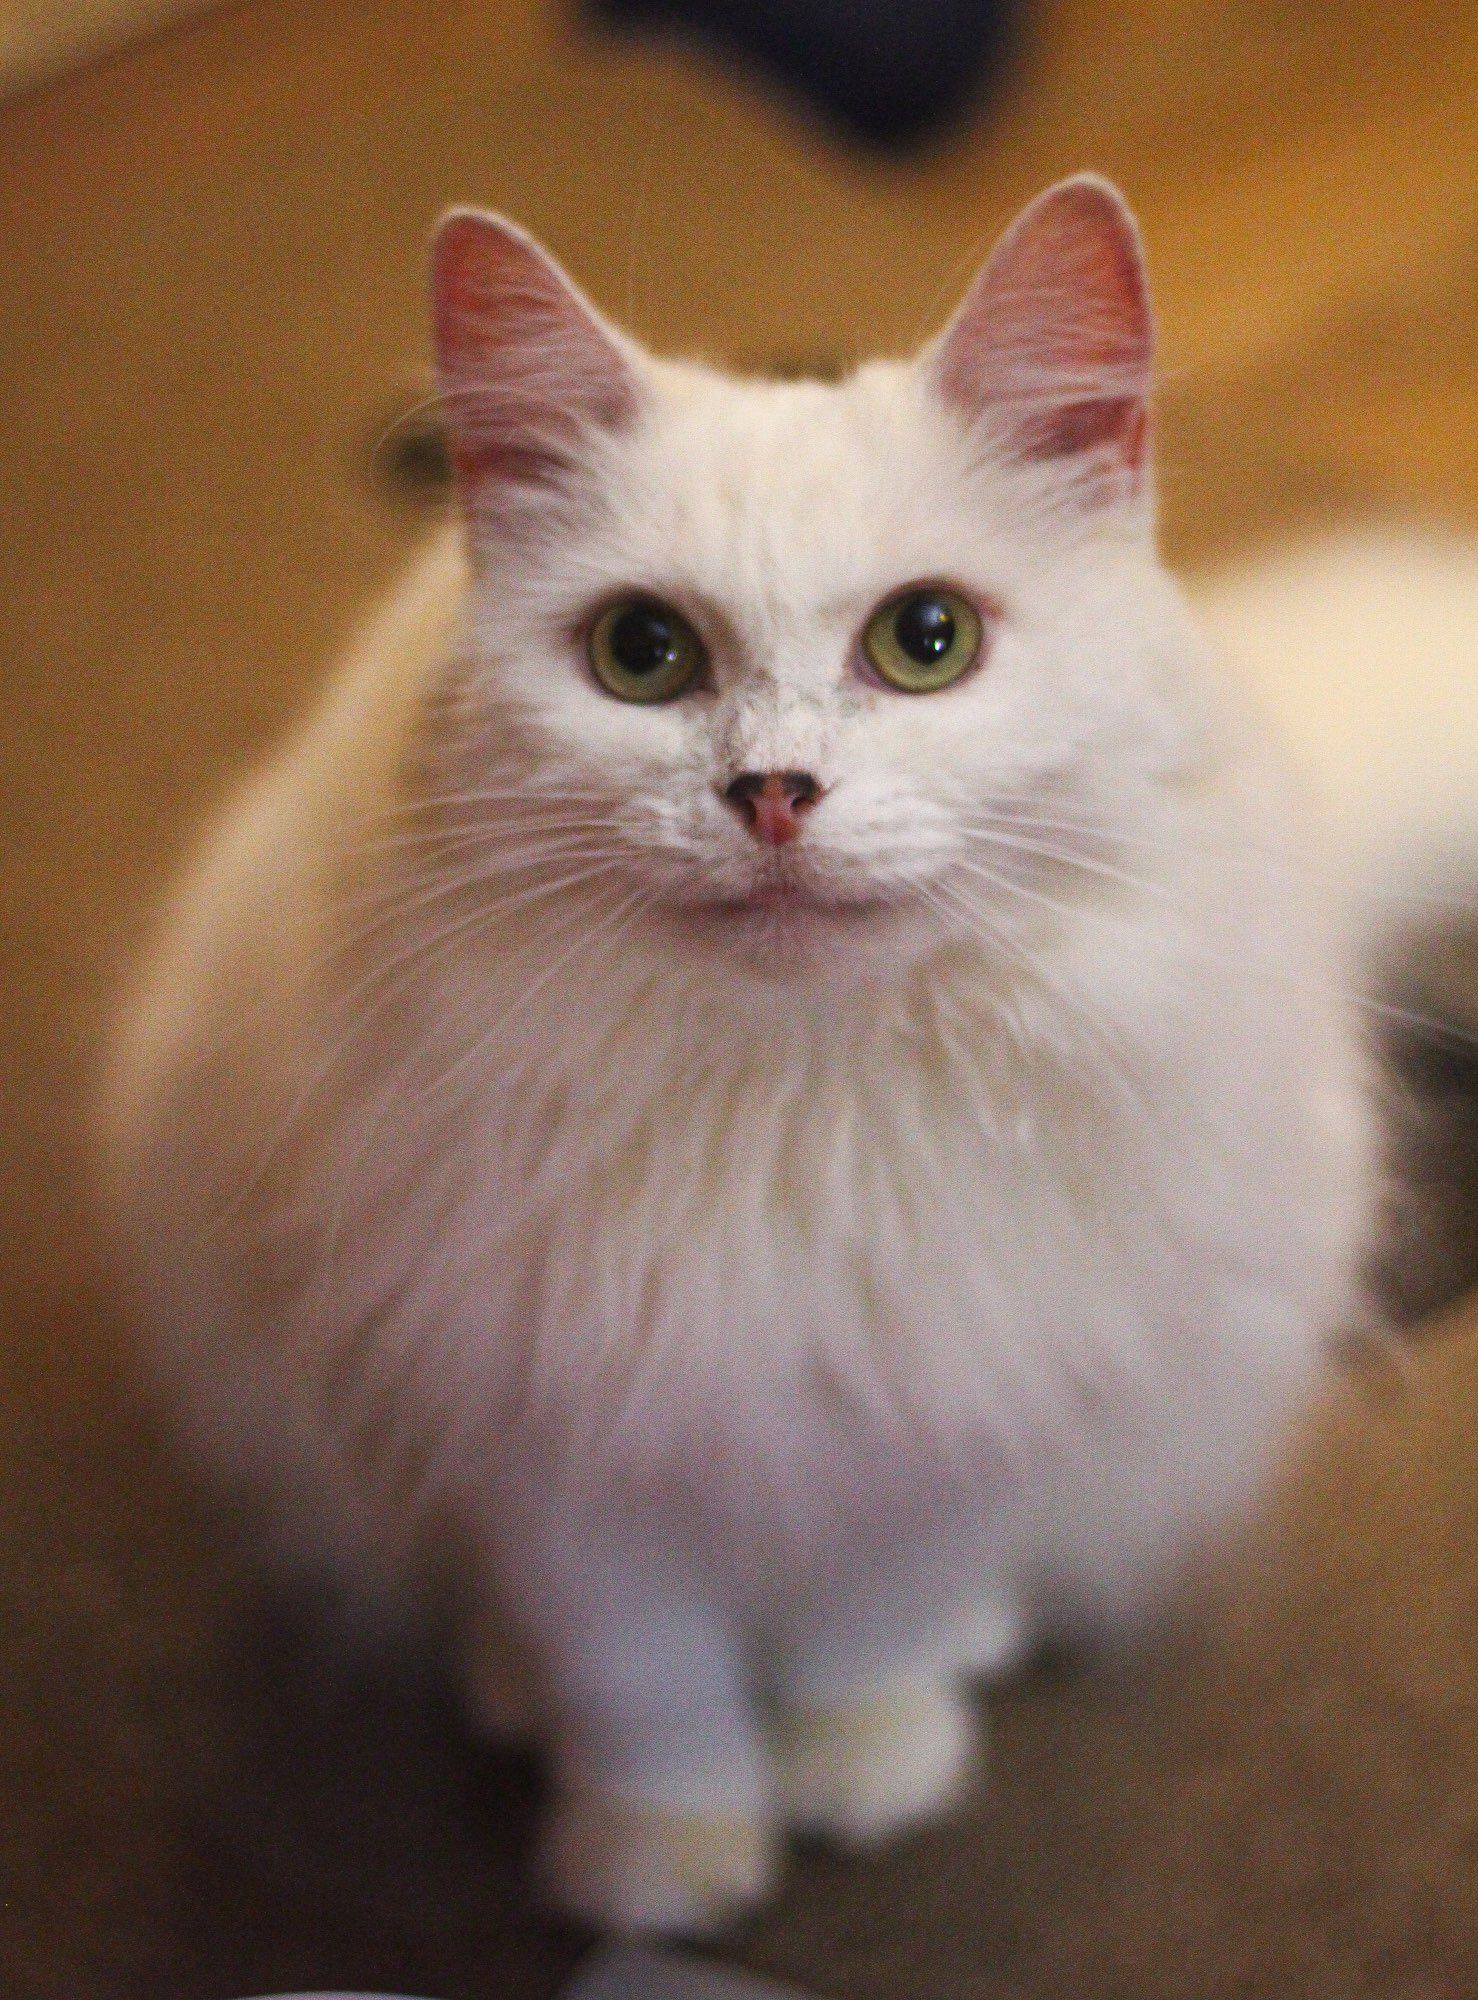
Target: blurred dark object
{"x":410,"y":457}
{"x":1427,"y":1256}
{"x":894,"y":73}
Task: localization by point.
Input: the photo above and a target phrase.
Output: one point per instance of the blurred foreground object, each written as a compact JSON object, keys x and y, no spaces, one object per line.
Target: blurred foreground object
{"x":894,"y":73}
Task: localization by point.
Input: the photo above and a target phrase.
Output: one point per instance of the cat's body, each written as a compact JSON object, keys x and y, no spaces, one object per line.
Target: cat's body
{"x":777,"y":1247}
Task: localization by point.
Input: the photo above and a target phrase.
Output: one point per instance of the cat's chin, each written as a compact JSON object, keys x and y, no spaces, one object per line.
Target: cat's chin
{"x":778,"y":932}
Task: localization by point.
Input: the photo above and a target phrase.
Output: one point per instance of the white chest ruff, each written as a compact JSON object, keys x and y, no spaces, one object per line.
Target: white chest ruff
{"x":802,"y":1336}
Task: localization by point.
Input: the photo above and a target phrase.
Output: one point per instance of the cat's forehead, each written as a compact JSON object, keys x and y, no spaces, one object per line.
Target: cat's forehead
{"x":787,"y":498}
{"x":763,"y":417}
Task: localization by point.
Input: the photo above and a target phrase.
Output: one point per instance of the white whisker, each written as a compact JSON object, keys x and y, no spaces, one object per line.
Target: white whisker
{"x":636,"y":900}
{"x":378,"y":989}
{"x":1087,"y":864}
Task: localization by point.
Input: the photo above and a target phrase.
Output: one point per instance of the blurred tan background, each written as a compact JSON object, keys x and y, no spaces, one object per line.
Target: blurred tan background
{"x":210,"y":312}
{"x":45,"y":38}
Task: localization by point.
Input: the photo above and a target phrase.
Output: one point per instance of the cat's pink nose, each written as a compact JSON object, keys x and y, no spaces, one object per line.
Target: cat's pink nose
{"x":771,"y":803}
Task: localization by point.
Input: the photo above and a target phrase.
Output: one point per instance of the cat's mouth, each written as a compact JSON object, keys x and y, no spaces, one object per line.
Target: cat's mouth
{"x":785,"y":904}
{"x":794,"y":896}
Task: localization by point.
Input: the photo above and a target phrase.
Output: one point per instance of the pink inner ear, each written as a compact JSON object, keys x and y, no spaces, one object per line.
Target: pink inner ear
{"x":525,"y":363}
{"x":1053,"y":344}
{"x":1117,"y":424}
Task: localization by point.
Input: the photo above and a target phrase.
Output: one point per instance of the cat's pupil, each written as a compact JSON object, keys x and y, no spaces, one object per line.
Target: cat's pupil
{"x":643,"y":639}
{"x":925,"y":628}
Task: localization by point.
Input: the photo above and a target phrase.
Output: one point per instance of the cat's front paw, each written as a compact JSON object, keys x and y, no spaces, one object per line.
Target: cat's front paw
{"x":862,"y":1769}
{"x":641,"y":1868}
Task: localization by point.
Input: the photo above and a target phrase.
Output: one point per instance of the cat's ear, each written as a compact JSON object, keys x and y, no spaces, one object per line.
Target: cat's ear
{"x":1052,"y":350}
{"x":527,"y":367}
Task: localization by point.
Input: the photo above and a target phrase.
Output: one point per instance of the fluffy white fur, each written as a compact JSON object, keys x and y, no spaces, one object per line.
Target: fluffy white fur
{"x":1364,"y":649}
{"x":770,"y":1286}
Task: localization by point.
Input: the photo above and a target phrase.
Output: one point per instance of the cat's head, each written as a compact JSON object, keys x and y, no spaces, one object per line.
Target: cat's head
{"x":815,"y":675}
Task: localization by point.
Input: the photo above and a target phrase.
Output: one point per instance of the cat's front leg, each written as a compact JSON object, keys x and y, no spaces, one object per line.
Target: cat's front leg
{"x":661,"y":1817}
{"x":870,"y":1740}
{"x":871,"y":1762}
{"x":642,"y":1867}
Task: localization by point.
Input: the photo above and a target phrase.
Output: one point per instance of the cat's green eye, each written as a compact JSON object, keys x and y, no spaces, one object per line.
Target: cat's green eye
{"x":923,"y":639}
{"x":643,"y":650}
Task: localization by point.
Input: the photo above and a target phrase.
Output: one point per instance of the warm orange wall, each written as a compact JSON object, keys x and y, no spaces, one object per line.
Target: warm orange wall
{"x":40,"y":38}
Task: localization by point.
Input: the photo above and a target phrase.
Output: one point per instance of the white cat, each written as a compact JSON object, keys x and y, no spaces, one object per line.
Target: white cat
{"x":767,"y":1088}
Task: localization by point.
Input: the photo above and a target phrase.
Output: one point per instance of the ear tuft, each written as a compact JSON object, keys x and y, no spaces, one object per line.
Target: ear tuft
{"x":526,"y":364}
{"x":1053,"y":347}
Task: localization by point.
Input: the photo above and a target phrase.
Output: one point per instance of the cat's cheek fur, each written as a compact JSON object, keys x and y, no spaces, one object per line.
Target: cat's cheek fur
{"x":760,"y":1358}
